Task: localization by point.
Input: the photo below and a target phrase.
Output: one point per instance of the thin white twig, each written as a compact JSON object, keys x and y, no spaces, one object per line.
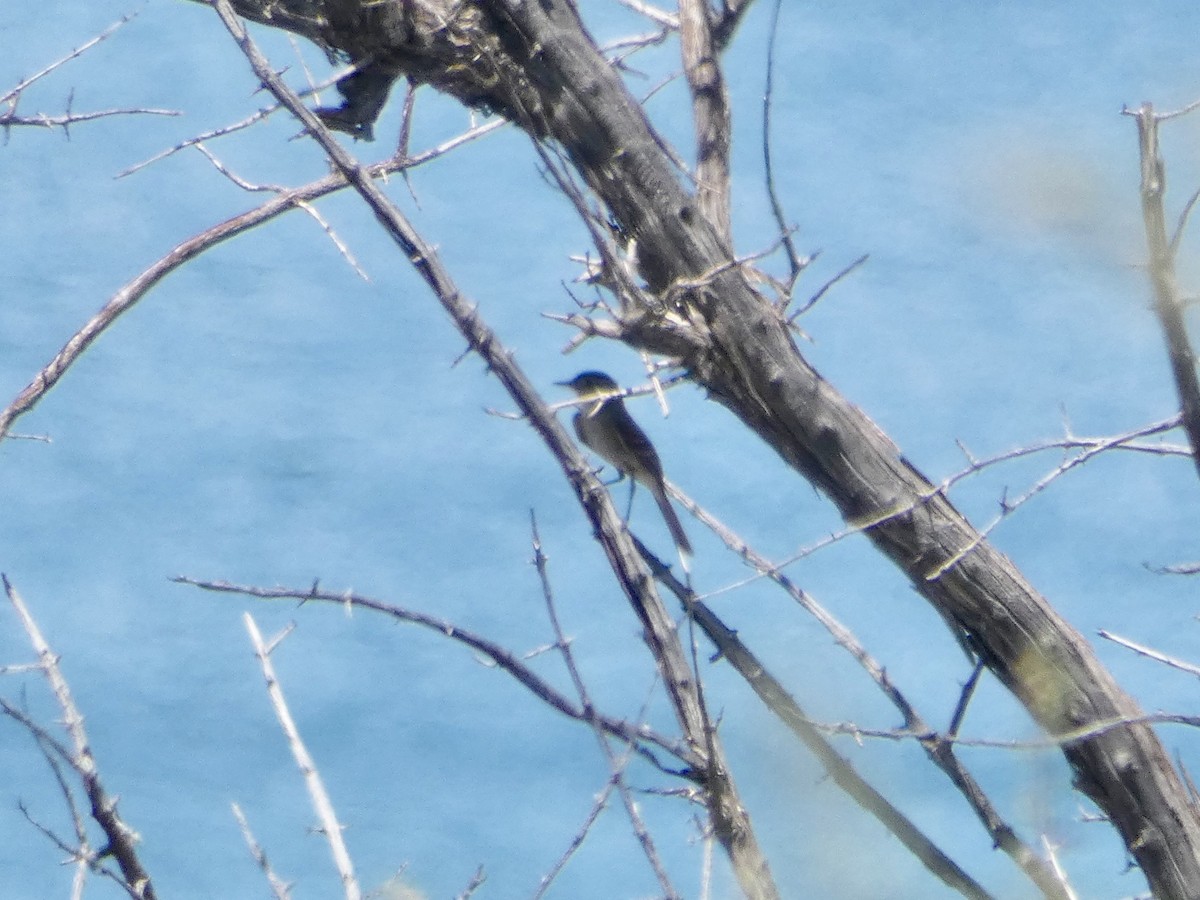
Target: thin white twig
{"x":122,"y":839}
{"x":1150,"y":653}
{"x":58,"y":63}
{"x":280,"y":889}
{"x":1059,"y":872}
{"x":322,"y":805}
{"x":342,"y":246}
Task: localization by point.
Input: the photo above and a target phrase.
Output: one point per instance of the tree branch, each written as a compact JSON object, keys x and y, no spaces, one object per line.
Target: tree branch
{"x":122,"y":839}
{"x":730,"y":820}
{"x":1168,"y":304}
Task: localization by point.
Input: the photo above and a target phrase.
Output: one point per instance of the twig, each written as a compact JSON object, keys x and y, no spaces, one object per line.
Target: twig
{"x":815,"y":298}
{"x":1168,"y":304}
{"x":322,"y":805}
{"x":796,"y":264}
{"x":121,"y":838}
{"x":1008,"y":507}
{"x":598,"y":806}
{"x":1176,"y":569}
{"x":135,"y":290}
{"x":280,"y":890}
{"x":232,"y":176}
{"x":224,"y":130}
{"x":82,"y":853}
{"x":15,"y":92}
{"x":1126,"y":441}
{"x":1181,"y":224}
{"x":783,"y":705}
{"x":1059,"y":871}
{"x":653,"y":13}
{"x":1150,"y":653}
{"x":473,"y":885}
{"x":1050,"y":742}
{"x":964,"y":699}
{"x":504,"y":659}
{"x":617,"y":766}
{"x":43,"y":120}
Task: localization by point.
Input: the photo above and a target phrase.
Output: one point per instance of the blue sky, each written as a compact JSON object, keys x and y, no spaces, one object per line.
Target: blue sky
{"x":267,"y":416}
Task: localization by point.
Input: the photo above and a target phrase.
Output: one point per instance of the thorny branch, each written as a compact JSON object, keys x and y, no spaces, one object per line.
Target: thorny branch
{"x":122,"y":839}
{"x":617,"y":766}
{"x":1087,"y":447}
{"x":322,"y":804}
{"x":135,"y":290}
{"x":782,"y":704}
{"x":938,"y":746}
{"x":730,"y":820}
{"x":10,"y":118}
{"x":1168,"y":302}
{"x":637,"y":736}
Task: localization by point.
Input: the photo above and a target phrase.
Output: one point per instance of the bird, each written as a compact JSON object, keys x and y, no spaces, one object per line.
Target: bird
{"x":607,"y":428}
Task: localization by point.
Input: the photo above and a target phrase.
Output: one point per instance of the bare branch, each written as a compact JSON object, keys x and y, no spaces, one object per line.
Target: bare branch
{"x":598,"y":806}
{"x":14,"y":93}
{"x":1087,"y":450}
{"x":224,"y":130}
{"x":1176,"y":569}
{"x":280,"y":890}
{"x":121,"y":838}
{"x":1157,"y":655}
{"x":194,"y":246}
{"x":710,"y":114}
{"x":780,"y":702}
{"x":936,"y":746}
{"x":1168,"y":304}
{"x":653,"y":13}
{"x":617,"y":766}
{"x":1050,"y":742}
{"x":43,"y":120}
{"x":813,"y":300}
{"x":796,"y":263}
{"x":1181,"y":224}
{"x":1061,"y":874}
{"x":504,"y":659}
{"x":473,"y":885}
{"x":731,"y":822}
{"x":312,"y":777}
{"x":1090,"y":447}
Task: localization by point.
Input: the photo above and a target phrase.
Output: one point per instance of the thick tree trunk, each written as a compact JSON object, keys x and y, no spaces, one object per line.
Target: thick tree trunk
{"x":535,"y":63}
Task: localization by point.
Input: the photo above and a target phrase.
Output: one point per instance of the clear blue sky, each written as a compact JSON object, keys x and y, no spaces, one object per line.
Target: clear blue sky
{"x":267,"y":416}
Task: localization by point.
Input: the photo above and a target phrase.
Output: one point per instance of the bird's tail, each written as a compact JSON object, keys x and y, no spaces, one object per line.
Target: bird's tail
{"x":673,"y":523}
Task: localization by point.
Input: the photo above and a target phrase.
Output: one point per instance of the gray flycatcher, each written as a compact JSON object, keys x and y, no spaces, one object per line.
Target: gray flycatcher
{"x":607,"y":428}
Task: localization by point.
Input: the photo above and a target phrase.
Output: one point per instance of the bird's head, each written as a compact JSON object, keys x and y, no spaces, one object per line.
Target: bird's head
{"x":587,"y":384}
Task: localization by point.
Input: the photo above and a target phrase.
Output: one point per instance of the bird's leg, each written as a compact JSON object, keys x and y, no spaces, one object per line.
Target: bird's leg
{"x":620,"y":477}
{"x":632,"y":485}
